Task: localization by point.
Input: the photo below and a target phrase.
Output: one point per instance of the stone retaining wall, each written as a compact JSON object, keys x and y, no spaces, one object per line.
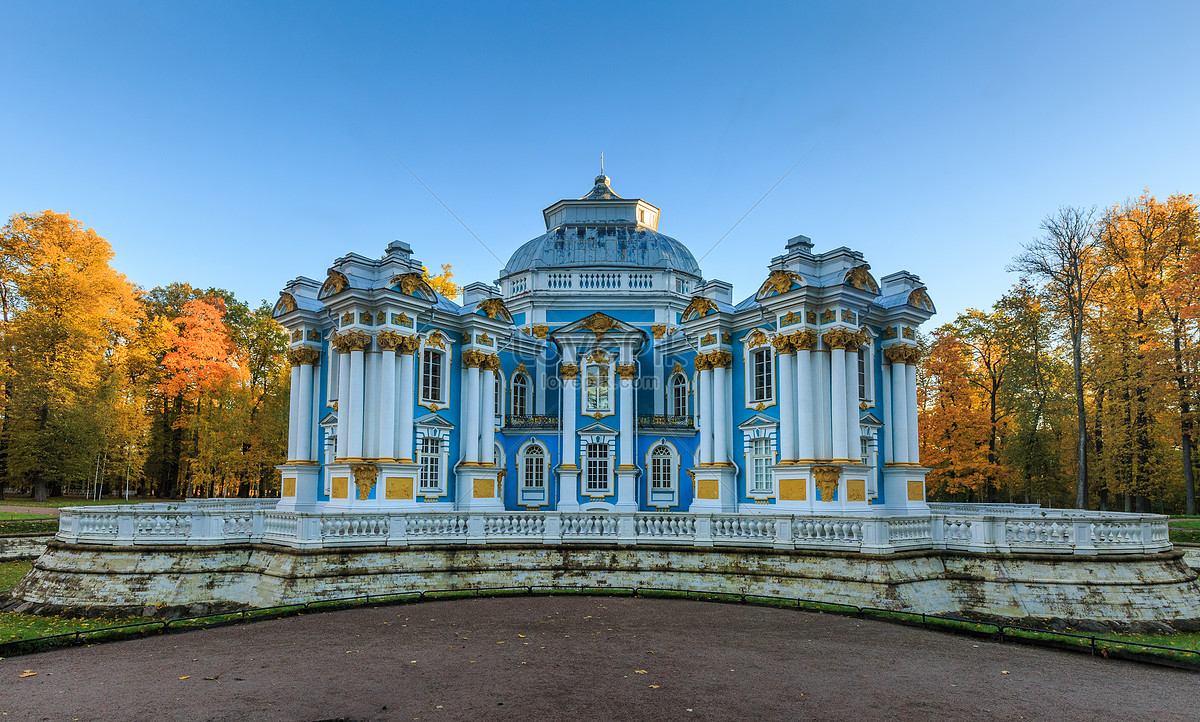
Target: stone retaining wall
{"x":23,"y":546}
{"x":178,"y":579}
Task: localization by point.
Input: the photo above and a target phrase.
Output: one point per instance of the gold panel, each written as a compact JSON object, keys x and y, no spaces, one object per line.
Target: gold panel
{"x":708,"y":489}
{"x":289,"y":487}
{"x":793,"y":490}
{"x":341,"y":487}
{"x":398,"y":487}
{"x":484,"y":489}
{"x":856,"y":489}
{"x":916,"y":491}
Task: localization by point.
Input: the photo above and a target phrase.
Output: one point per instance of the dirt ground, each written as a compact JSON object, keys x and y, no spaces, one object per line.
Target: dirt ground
{"x":581,"y":658}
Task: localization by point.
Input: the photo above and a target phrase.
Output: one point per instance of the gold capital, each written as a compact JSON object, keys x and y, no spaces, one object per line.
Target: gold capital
{"x":298,"y":356}
{"x":352,"y":341}
{"x":626,"y":371}
{"x":568,"y":371}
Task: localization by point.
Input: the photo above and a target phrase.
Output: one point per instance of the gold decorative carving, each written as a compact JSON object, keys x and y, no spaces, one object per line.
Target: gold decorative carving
{"x":779,"y":282}
{"x":298,"y":335}
{"x":793,"y":490}
{"x":473,"y":359}
{"x":702,"y":362}
{"x":810,"y":316}
{"x":902,"y":354}
{"x":389,"y":340}
{"x":364,"y":479}
{"x":708,"y":340}
{"x":539,"y":331}
{"x":860,"y":278}
{"x":701,"y":306}
{"x":783,"y":344}
{"x":347,"y":318}
{"x":626,"y":371}
{"x":298,"y":356}
{"x":920,"y":298}
{"x":436,"y":340}
{"x":380,"y":318}
{"x":889,"y":333}
{"x":658,"y":330}
{"x":677,"y":368}
{"x":727,"y":337}
{"x":286,"y":303}
{"x":916,"y":490}
{"x":490,"y":362}
{"x":803,"y":340}
{"x":827,"y":480}
{"x":720,"y":359}
{"x":413,"y":284}
{"x":844,"y":339}
{"x":520,"y":369}
{"x":598,"y":323}
{"x":335,"y":283}
{"x":314,"y":334}
{"x":856,"y":490}
{"x":494,"y":308}
{"x":409,"y":344}
{"x":569,"y":371}
{"x":791,"y":318}
{"x":756,"y":338}
{"x":597,"y":356}
{"x":466,"y":337}
{"x":352,"y":341}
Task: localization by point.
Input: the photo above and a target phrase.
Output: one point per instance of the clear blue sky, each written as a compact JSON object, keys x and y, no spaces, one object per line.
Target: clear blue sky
{"x":232,"y":144}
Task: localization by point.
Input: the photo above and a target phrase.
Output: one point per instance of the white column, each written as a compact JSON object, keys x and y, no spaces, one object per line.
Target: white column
{"x":625,"y":440}
{"x":304,"y":427}
{"x":704,"y":392}
{"x":487,"y":444}
{"x":899,"y":429}
{"x":805,"y":443}
{"x":387,"y":404}
{"x":837,"y":396}
{"x":293,"y":411}
{"x":787,"y":407}
{"x":914,"y":439}
{"x":884,"y":396}
{"x":570,"y":395}
{"x":314,"y":428}
{"x":470,"y":438}
{"x":371,"y":402}
{"x":343,"y":413}
{"x":853,"y":430}
{"x":720,"y":430}
{"x":538,"y":383}
{"x":407,"y":401}
{"x":352,"y":400}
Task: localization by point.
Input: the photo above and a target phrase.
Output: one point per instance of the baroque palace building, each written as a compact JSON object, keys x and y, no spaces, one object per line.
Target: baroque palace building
{"x":603,"y":372}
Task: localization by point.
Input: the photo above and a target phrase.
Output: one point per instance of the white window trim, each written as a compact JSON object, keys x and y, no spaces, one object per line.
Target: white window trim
{"x":526,"y":497}
{"x":500,"y":388}
{"x":748,"y":365}
{"x":612,"y":388}
{"x":867,"y":353}
{"x":443,"y":436}
{"x":444,"y":401}
{"x":748,"y":437}
{"x":687,"y":394}
{"x":611,"y":441}
{"x":512,"y":397}
{"x":663,"y":499}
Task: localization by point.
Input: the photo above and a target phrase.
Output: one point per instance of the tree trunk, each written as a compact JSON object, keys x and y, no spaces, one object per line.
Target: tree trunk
{"x":1185,"y":434}
{"x":1081,"y":422}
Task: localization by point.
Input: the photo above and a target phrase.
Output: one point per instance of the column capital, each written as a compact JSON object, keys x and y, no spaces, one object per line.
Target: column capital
{"x":803,"y":340}
{"x":626,"y":371}
{"x":902,"y":354}
{"x":473,"y":359}
{"x":568,"y":371}
{"x":720,"y":359}
{"x":352,"y":341}
{"x":841,"y":338}
{"x":300,"y":356}
{"x":389,"y":340}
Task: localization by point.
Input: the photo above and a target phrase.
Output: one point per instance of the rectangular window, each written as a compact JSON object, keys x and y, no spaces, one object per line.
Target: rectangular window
{"x":764,"y":384}
{"x":866,"y":449}
{"x":534,"y":472}
{"x":431,"y":464}
{"x":760,"y":454}
{"x":597,"y":480}
{"x":862,"y":375}
{"x":598,"y":392}
{"x":431,"y":376}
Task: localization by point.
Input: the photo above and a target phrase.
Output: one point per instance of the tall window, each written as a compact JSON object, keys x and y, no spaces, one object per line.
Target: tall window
{"x":678,"y":395}
{"x":431,"y":375}
{"x":598,"y":478}
{"x":763,"y":381}
{"x":498,"y":401}
{"x":599,"y":388}
{"x":533,"y":471}
{"x":431,"y":464}
{"x":760,"y":465}
{"x":662,"y":470}
{"x":862,"y":374}
{"x":520,"y":395}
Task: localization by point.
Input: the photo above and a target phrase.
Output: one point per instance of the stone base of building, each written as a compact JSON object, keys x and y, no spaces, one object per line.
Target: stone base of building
{"x":166,"y":580}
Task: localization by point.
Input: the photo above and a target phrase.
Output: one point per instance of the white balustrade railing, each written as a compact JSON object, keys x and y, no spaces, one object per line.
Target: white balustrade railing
{"x":979,"y":528}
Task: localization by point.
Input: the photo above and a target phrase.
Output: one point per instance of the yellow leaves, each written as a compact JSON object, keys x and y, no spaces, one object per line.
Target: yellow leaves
{"x":27,"y":673}
{"x":442,"y":282}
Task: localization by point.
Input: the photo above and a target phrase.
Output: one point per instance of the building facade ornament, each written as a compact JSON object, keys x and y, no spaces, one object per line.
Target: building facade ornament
{"x":779,"y":282}
{"x":413,"y":284}
{"x":840,"y":338}
{"x":599,"y":323}
{"x":472,"y":359}
{"x":700,"y":306}
{"x":658,"y":330}
{"x":298,"y":356}
{"x":902,"y":354}
{"x":389,"y":340}
{"x":495,"y":308}
{"x":826,"y":478}
{"x":352,"y":341}
{"x":568,"y":371}
{"x":860,"y":278}
{"x":539,"y":330}
{"x":626,"y":371}
{"x":364,"y":479}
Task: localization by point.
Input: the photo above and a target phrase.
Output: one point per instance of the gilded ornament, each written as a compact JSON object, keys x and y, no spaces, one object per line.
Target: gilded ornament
{"x":756,"y":338}
{"x":702,"y":362}
{"x":700,"y":306}
{"x":490,"y":362}
{"x":844,"y":339}
{"x":677,"y":368}
{"x":473,"y":359}
{"x":909,"y":333}
{"x":466,"y":337}
{"x":388,"y":340}
{"x":721,"y":359}
{"x":347,"y":318}
{"x":483,"y":339}
{"x":789,"y":319}
{"x":811,"y":316}
{"x":803,"y":340}
{"x":708,"y":340}
{"x":380,"y":318}
{"x":860,"y":278}
{"x":436,"y":340}
{"x":889,"y":333}
{"x":520,"y":369}
{"x":626,"y":371}
{"x":783,"y":344}
{"x":849,"y":316}
{"x":298,"y":356}
{"x":828,"y":316}
{"x":286,"y":303}
{"x":298,"y":335}
{"x":539,"y":331}
{"x":902,"y":354}
{"x":409,"y":344}
{"x":598,"y":323}
{"x":494,"y":308}
{"x":314,"y":335}
{"x":402,"y":319}
{"x":568,"y":371}
{"x":920,"y":298}
{"x":366,"y":319}
{"x":760,"y":406}
{"x":413,"y":284}
{"x":335,"y":283}
{"x":658,"y":330}
{"x":597,"y":356}
{"x":727,"y":337}
{"x":364,"y":479}
{"x":352,"y":341}
{"x":779,"y":282}
{"x":827,"y":480}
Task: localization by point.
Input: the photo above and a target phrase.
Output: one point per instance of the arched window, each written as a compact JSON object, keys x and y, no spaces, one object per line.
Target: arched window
{"x":662,"y":466}
{"x":677,"y":395}
{"x":533,"y":469}
{"x":520,"y":395}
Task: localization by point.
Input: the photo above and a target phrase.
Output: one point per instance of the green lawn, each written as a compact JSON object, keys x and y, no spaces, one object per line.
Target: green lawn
{"x":1184,"y":523}
{"x":61,"y":501}
{"x":48,"y":525}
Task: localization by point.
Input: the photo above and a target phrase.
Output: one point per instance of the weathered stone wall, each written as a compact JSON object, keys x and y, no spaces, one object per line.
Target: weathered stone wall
{"x":23,"y":546}
{"x":157,"y":580}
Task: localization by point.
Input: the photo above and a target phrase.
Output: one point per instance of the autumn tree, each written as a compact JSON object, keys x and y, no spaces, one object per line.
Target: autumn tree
{"x":1066,"y":259}
{"x":443,"y":283}
{"x":67,"y":314}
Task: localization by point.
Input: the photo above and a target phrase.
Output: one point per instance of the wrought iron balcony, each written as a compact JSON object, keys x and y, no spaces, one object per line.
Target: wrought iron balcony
{"x":532,"y":422}
{"x":657,"y":422}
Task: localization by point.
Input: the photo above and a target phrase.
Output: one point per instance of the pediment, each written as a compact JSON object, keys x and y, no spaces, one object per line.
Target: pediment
{"x":598,"y":429}
{"x":598,"y":323}
{"x":757,"y":421}
{"x":435,"y":421}
{"x":869,"y":419}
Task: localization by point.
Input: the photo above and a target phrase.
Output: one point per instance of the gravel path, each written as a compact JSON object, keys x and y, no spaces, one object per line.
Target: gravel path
{"x":38,"y":510}
{"x":581,"y":658}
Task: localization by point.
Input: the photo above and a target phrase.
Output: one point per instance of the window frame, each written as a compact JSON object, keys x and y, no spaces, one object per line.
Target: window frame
{"x":538,"y":495}
{"x":609,"y":383}
{"x":434,"y":345}
{"x":674,"y":383}
{"x":440,"y":456}
{"x":586,"y":478}
{"x":667,"y":495}
{"x":524,"y":395}
{"x":751,"y":352}
{"x":760,"y":431}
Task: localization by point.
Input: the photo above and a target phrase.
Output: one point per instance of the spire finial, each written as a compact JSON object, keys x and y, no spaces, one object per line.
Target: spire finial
{"x":601,"y":162}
